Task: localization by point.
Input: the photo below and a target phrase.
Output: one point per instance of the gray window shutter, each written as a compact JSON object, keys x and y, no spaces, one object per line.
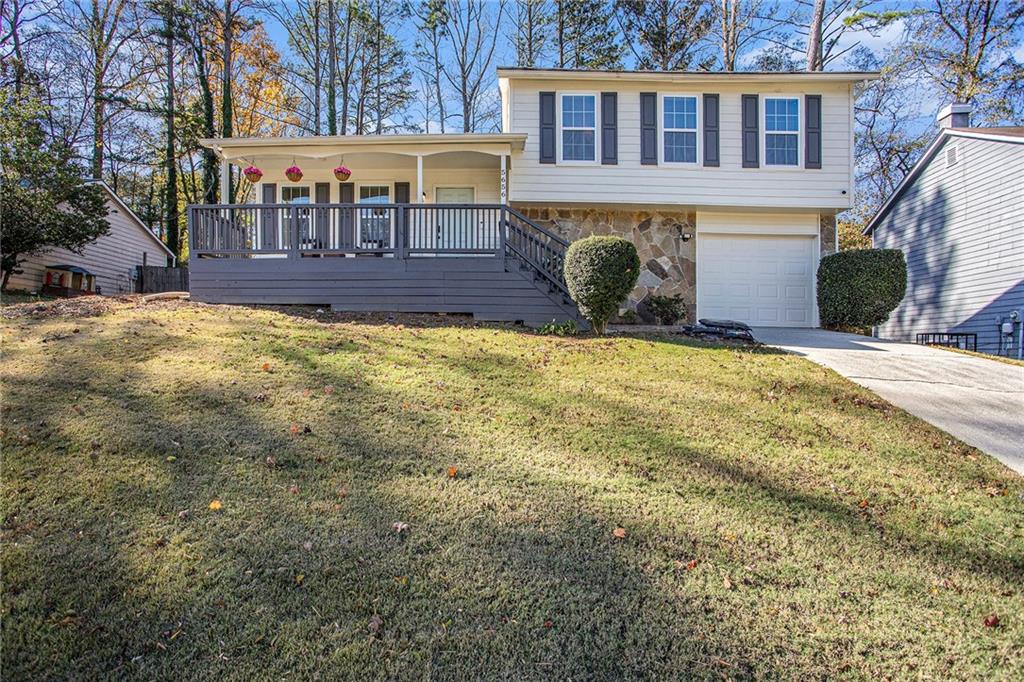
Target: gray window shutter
{"x":609,"y":128}
{"x":649,"y":128}
{"x":348,"y":192}
{"x":812,"y":131}
{"x":547,"y":127}
{"x":268,"y":219}
{"x":711,"y":157}
{"x":401,"y":192}
{"x":751,"y":143}
{"x":347,"y":235}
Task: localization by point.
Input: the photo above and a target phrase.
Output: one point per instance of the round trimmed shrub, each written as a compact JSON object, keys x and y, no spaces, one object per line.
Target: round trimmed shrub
{"x":860,"y":288}
{"x":600,"y":272}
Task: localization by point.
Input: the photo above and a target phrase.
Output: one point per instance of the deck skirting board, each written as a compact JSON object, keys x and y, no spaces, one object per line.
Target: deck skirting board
{"x":488,"y":288}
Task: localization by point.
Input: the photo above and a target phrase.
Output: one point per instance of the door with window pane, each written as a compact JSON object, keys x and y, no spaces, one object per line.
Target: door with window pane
{"x":375,"y":223}
{"x":299,"y":199}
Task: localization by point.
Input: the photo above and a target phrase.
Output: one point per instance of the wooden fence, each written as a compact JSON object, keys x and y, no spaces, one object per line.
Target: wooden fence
{"x":154,"y":279}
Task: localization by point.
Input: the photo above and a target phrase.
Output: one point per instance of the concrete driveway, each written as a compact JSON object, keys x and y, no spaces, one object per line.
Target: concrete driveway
{"x":979,"y":401}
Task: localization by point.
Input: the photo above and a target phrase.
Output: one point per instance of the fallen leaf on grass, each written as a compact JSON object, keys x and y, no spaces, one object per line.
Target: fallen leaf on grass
{"x":266,"y":367}
{"x":992,"y":621}
{"x":375,"y":624}
{"x":328,"y":390}
{"x":271,"y":462}
{"x":183,"y":514}
{"x":453,"y":472}
{"x":400,"y":527}
{"x":548,"y":624}
{"x":216,"y":505}
{"x":864,"y":504}
{"x":293,"y":489}
{"x":620,"y":533}
{"x":308,"y":546}
{"x":78,"y":409}
{"x":727,"y":584}
{"x":691,"y":564}
{"x":299,"y":579}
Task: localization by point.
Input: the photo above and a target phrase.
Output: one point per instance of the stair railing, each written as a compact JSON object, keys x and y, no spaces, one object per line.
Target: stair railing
{"x":541,"y":250}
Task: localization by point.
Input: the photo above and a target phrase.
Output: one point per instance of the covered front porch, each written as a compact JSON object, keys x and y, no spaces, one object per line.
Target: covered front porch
{"x":422,"y":224}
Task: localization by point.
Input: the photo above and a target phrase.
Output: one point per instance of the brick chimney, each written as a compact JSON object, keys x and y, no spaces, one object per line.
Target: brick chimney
{"x":955,"y":115}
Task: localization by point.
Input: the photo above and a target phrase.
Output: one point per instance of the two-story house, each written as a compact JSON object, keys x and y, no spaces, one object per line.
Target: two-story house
{"x":727,"y":183}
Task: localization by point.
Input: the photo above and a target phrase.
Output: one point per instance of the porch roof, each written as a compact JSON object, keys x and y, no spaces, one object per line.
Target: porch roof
{"x":325,"y":146}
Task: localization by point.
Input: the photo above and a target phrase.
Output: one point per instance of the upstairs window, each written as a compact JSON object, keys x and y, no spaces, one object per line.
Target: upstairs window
{"x":781,"y":131}
{"x":579,"y":128}
{"x":679,"y":129}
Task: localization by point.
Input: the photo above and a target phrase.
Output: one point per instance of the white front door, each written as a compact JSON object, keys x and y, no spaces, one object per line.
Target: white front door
{"x":760,"y":280}
{"x":455,"y":227}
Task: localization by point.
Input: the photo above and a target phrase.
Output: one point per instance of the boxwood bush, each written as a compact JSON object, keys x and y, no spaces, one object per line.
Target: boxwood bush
{"x":860,"y":288}
{"x":600,"y":273}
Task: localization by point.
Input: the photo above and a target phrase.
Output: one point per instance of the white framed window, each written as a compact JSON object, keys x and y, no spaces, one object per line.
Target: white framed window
{"x":577,"y":119}
{"x":295,"y":194}
{"x":679,"y":126}
{"x":782,"y":131}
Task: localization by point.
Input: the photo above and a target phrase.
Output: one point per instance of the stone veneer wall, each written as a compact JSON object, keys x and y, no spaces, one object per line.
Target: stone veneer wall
{"x":668,"y":264}
{"x":828,"y":235}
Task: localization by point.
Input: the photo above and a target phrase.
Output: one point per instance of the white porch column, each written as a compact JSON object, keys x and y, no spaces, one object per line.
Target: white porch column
{"x":504,"y":179}
{"x":225,"y":181}
{"x":419,"y":179}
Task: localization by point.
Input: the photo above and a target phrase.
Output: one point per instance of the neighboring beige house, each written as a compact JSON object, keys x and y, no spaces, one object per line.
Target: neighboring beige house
{"x":112,"y":259}
{"x":727,"y":183}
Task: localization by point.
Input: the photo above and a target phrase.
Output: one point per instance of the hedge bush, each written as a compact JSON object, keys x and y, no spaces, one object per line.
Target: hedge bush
{"x":600,"y":273}
{"x":860,"y":288}
{"x":667,"y":309}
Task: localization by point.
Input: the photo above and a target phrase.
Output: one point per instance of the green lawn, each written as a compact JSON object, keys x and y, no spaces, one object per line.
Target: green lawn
{"x":780,"y":522}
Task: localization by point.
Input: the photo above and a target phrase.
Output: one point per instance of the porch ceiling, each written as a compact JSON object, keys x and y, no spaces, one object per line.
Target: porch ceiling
{"x":332,"y":147}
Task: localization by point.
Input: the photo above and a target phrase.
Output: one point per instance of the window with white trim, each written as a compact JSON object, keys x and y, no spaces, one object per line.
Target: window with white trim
{"x":579,"y":128}
{"x":781,"y":131}
{"x":679,"y":129}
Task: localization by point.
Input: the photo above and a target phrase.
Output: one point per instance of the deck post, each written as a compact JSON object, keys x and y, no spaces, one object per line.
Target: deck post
{"x":503,"y":179}
{"x":400,"y":219}
{"x":293,"y":230}
{"x":419,"y":179}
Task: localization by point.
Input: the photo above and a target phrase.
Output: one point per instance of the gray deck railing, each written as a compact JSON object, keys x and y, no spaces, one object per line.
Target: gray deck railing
{"x":302,"y":230}
{"x":383,"y":230}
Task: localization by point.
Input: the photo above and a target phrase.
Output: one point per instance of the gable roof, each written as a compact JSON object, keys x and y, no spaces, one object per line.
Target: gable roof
{"x":1005,"y":134}
{"x":671,"y":76}
{"x":132,"y":217}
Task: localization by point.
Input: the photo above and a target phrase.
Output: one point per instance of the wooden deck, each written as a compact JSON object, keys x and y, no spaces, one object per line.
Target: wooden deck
{"x":487,"y":261}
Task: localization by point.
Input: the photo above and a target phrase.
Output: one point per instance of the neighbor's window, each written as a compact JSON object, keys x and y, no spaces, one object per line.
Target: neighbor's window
{"x":781,"y":131}
{"x":579,"y":128}
{"x":679,"y":126}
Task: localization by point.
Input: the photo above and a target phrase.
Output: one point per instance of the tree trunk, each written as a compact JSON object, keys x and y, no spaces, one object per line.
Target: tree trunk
{"x":171,"y":188}
{"x":98,"y":103}
{"x":814,"y":37}
{"x":227,"y":104}
{"x":317,"y":72}
{"x":561,"y":35}
{"x":211,"y":169}
{"x":332,"y":70}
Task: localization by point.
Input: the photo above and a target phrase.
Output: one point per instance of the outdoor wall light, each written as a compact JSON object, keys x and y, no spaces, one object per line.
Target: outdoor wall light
{"x":685,"y":236}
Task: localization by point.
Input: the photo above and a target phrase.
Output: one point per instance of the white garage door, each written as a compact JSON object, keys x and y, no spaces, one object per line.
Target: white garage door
{"x":759,"y":280}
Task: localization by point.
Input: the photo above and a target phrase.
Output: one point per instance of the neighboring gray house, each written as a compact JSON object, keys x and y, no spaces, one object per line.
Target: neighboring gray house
{"x":958,"y":217}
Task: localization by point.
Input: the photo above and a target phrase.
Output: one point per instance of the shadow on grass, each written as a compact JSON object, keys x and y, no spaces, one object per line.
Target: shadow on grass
{"x":508,"y":571}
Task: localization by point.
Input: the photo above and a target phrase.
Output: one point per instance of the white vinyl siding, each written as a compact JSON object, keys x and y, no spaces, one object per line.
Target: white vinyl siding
{"x":729,"y":184}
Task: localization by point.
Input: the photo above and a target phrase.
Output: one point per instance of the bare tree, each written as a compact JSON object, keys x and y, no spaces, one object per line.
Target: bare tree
{"x":534,"y":22}
{"x":814,"y":56}
{"x":738,"y":25}
{"x":665,"y":35}
{"x":432,"y":21}
{"x":472,"y":38}
{"x":303,"y":23}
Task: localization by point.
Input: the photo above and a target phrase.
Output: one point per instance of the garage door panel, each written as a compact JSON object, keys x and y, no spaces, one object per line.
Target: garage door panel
{"x":756,"y":279}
